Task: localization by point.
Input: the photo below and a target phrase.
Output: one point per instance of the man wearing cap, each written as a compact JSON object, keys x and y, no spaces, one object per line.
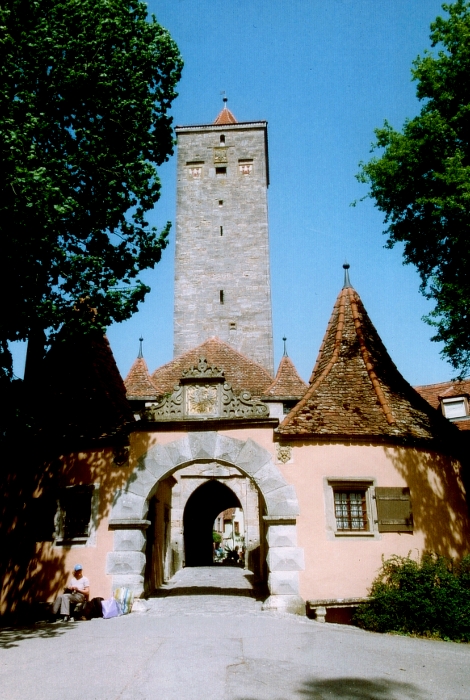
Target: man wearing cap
{"x":77,"y":591}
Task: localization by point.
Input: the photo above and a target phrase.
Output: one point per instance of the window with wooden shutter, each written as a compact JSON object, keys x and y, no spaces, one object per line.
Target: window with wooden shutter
{"x":394,"y":509}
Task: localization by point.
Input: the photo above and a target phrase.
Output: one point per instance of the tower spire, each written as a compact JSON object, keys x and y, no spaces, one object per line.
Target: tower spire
{"x":141,"y":354}
{"x":347,"y":284}
{"x":285,"y":346}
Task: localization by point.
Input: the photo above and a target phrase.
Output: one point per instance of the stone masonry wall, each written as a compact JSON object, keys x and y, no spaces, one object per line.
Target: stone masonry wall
{"x":222,"y":278}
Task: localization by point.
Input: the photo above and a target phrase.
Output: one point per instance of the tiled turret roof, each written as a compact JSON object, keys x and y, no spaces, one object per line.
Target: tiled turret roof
{"x":355,"y":389}
{"x":138,"y":383}
{"x":240,"y":372}
{"x":287,"y":383}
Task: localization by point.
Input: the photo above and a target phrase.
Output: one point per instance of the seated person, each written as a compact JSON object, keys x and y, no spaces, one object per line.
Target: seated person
{"x":77,"y":591}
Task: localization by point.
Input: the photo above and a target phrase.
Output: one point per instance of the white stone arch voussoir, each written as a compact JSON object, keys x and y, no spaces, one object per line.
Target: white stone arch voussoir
{"x":126,"y":563}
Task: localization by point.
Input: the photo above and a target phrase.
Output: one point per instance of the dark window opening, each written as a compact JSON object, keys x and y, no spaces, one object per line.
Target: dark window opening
{"x":221,"y":296}
{"x":233,"y":326}
{"x":75,"y":512}
{"x":222,"y":139}
{"x":221,"y":172}
{"x":221,"y":230}
{"x":221,"y":202}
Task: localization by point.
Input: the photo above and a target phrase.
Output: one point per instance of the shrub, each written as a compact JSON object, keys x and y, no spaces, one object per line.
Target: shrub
{"x":429,"y":598}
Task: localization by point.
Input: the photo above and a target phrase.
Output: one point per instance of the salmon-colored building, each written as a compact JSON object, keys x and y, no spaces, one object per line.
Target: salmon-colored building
{"x":359,"y":469}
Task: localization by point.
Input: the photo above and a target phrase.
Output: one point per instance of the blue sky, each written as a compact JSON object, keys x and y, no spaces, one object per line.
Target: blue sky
{"x":323,"y":75}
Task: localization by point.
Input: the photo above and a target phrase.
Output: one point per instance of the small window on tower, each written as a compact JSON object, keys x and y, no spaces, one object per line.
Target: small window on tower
{"x":221,"y":296}
{"x":222,"y":140}
{"x":232,"y":326}
{"x":221,"y":230}
{"x":221,"y":172}
{"x":221,"y":202}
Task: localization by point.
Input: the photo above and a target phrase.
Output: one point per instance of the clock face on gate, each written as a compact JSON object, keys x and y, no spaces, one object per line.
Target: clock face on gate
{"x":201,"y":400}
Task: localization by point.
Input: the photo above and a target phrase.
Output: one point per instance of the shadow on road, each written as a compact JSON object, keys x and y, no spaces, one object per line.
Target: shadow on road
{"x":354,"y":689}
{"x":11,"y":636}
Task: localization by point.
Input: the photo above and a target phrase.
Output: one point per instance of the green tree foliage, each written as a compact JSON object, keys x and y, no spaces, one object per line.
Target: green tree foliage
{"x":422,"y":181}
{"x":85,"y":91}
{"x":429,"y":598}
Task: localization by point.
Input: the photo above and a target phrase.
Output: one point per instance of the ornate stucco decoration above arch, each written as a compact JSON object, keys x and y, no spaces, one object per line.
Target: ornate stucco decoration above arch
{"x":203,"y":393}
{"x":127,"y":562}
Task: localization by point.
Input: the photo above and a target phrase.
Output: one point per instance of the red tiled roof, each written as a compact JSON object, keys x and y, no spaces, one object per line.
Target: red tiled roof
{"x":433,"y":393}
{"x":225,"y":116}
{"x":355,"y":388}
{"x":287,"y":383}
{"x":138,"y":384}
{"x":240,"y":372}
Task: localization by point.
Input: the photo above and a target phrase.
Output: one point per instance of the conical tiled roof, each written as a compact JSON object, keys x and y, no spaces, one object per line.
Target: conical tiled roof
{"x":138,"y":383}
{"x":240,"y":372}
{"x":355,"y":388}
{"x":225,"y":116}
{"x":287,"y":384}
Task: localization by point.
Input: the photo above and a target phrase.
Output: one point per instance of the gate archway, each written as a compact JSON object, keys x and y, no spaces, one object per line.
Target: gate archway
{"x":203,"y":506}
{"x":126,"y":563}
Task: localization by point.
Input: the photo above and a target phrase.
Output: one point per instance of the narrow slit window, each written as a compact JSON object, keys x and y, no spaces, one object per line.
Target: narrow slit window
{"x":221,"y":230}
{"x":221,"y":296}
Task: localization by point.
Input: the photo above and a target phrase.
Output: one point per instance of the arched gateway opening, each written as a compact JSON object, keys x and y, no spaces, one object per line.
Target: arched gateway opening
{"x":202,"y":508}
{"x":207,"y":452}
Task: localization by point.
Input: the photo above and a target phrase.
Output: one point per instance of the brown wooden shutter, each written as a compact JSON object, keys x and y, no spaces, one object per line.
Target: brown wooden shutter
{"x":394,"y":509}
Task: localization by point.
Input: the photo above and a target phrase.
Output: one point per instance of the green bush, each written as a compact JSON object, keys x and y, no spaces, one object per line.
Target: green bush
{"x":430,"y":598}
{"x":216,"y":537}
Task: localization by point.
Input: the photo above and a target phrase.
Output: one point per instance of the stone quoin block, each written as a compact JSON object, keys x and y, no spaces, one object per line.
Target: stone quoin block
{"x":252,"y":457}
{"x":283,"y":583}
{"x":202,"y":445}
{"x":125,"y":563}
{"x":140,"y":482}
{"x":128,"y":505}
{"x":159,"y":455}
{"x":283,"y":501}
{"x":129,"y":540}
{"x":227,"y":449}
{"x":286,"y":559}
{"x":180,"y":451}
{"x":282,"y":536}
{"x":269,"y":478}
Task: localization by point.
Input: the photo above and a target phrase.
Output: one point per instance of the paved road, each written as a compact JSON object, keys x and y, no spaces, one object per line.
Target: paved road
{"x":194,"y":643}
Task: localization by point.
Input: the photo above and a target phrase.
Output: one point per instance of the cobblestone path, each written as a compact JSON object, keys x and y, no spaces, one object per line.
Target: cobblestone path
{"x":225,"y":590}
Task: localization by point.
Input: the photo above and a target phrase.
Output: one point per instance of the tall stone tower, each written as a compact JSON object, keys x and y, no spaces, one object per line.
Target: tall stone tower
{"x":222,"y":280}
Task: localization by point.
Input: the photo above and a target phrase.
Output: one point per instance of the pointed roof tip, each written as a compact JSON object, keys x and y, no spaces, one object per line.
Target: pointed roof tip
{"x":347,"y":283}
{"x":287,"y":382}
{"x":225,"y":116}
{"x":140,"y":354}
{"x":285,"y":346}
{"x":138,"y":383}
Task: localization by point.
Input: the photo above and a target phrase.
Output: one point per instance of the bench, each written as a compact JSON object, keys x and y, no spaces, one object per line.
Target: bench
{"x":319,"y":608}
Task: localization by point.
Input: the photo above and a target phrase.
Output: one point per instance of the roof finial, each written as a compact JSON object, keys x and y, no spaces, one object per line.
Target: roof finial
{"x":285,"y":346}
{"x":347,"y":283}
{"x":224,"y":98}
{"x":141,"y":354}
